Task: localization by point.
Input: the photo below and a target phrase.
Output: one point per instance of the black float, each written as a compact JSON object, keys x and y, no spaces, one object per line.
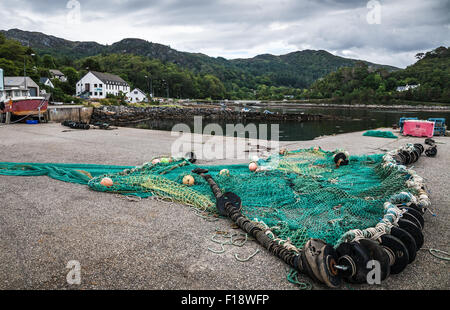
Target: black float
{"x":407,"y":240}
{"x":412,"y":228}
{"x":397,"y":251}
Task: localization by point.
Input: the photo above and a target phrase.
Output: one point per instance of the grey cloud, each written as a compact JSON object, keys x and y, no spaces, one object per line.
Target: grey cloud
{"x":233,"y":26}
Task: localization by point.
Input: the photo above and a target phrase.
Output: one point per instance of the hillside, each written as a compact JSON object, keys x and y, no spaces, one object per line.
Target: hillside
{"x":188,"y":75}
{"x":361,"y":84}
{"x":294,"y":70}
{"x":307,"y":74}
{"x":47,"y":44}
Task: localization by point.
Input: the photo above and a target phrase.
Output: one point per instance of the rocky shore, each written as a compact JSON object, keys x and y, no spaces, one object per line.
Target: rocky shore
{"x":119,"y":115}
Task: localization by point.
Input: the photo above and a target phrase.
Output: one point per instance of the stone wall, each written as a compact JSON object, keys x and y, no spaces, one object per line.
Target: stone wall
{"x":120,"y":115}
{"x":69,"y":113}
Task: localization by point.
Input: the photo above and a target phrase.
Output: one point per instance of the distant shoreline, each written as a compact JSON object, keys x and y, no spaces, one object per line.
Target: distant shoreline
{"x":410,"y":107}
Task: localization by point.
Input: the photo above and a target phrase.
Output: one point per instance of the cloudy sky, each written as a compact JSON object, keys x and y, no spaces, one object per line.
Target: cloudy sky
{"x":384,"y":31}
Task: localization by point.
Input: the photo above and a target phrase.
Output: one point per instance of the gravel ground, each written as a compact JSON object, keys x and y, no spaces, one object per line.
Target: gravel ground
{"x":45,"y":223}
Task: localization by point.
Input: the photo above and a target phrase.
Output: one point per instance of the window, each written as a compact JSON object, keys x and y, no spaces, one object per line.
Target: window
{"x":95,"y":94}
{"x":95,"y":85}
{"x":100,"y":85}
{"x":136,"y":92}
{"x":101,"y":93}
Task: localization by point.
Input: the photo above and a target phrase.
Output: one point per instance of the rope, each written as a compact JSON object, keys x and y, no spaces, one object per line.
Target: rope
{"x":239,"y":244}
{"x":129,"y":198}
{"x":246,"y":259}
{"x":292,"y":276}
{"x":434,"y":251}
{"x":231,"y":241}
{"x":204,"y":215}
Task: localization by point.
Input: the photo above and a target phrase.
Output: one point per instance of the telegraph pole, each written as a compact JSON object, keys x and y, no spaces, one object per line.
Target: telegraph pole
{"x":150,"y":88}
{"x":25,"y":70}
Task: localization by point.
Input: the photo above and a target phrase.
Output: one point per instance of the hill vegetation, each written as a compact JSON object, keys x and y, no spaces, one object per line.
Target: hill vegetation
{"x":362,"y":84}
{"x":261,"y":77}
{"x":164,"y":71}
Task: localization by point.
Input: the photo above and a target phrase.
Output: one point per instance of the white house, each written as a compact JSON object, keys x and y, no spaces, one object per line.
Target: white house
{"x":137,"y":95}
{"x":47,"y":82}
{"x":97,"y":85}
{"x":407,"y":87}
{"x":56,"y":74}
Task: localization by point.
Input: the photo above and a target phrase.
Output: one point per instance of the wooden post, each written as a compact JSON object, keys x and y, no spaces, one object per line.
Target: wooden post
{"x":1,"y":117}
{"x":8,"y":118}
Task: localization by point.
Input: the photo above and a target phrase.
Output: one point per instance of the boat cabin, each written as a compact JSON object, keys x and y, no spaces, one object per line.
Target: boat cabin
{"x":18,"y":87}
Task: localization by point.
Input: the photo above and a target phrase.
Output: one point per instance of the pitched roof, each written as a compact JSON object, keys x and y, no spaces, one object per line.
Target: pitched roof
{"x":19,"y":81}
{"x":109,"y":78}
{"x":138,"y":90}
{"x":55,"y":72}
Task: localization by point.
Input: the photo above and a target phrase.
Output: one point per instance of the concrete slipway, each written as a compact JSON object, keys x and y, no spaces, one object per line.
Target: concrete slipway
{"x":120,"y":244}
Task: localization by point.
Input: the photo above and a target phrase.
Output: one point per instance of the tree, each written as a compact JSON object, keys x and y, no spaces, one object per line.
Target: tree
{"x":419,"y":56}
{"x":71,"y":75}
{"x":9,"y":67}
{"x":48,"y":62}
{"x":91,"y":64}
{"x":212,"y":87}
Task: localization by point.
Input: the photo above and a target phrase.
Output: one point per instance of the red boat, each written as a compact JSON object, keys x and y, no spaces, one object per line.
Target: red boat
{"x":26,"y":106}
{"x":19,"y":96}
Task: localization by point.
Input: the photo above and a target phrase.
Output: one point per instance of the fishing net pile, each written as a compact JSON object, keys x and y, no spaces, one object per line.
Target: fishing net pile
{"x":380,"y":134}
{"x":298,"y":195}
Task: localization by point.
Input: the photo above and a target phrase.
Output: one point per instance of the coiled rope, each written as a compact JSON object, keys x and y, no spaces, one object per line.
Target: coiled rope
{"x":240,"y":241}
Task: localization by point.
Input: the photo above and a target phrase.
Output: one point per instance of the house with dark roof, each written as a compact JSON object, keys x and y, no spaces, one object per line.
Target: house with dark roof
{"x":56,"y":74}
{"x":46,"y":81}
{"x":97,"y":85}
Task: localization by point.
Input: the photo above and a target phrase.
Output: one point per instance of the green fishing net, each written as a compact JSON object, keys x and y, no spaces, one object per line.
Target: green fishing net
{"x":299,"y":195}
{"x":380,"y":134}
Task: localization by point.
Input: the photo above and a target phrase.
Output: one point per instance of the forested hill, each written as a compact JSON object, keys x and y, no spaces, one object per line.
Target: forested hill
{"x":294,"y":70}
{"x":431,"y":75}
{"x":189,"y":75}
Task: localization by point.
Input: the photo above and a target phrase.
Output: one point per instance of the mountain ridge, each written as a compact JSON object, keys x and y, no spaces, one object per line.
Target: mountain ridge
{"x":41,"y":41}
{"x":295,"y":70}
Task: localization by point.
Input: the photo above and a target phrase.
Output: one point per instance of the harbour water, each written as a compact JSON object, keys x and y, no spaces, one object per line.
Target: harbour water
{"x":348,"y":120}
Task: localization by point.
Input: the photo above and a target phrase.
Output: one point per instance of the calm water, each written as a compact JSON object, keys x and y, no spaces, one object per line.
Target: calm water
{"x":349,"y":120}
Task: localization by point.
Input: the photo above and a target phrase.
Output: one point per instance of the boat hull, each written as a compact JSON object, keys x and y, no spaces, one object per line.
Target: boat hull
{"x":26,"y":106}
